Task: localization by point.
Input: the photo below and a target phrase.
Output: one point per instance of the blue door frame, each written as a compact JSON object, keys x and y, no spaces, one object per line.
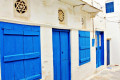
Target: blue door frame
{"x":99,"y":49}
{"x":61,"y":54}
{"x":108,"y":52}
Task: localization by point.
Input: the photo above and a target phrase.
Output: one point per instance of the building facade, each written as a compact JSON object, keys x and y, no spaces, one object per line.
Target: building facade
{"x":62,"y":40}
{"x":113,"y":29}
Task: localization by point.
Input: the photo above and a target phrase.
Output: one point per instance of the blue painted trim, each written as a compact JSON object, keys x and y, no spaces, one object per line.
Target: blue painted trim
{"x":84,"y":47}
{"x":31,"y":33}
{"x":102,"y":47}
{"x":70,"y":53}
{"x":13,"y":32}
{"x":108,"y":52}
{"x":13,"y":57}
{"x":26,"y":33}
{"x":63,"y":30}
{"x":85,"y":59}
{"x":93,"y":42}
{"x":1,"y":50}
{"x":40,"y":57}
{"x":34,"y":77}
{"x":21,"y":57}
{"x":31,"y":55}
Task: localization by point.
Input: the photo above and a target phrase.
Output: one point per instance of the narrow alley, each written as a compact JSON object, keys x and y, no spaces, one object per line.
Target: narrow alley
{"x":110,"y":73}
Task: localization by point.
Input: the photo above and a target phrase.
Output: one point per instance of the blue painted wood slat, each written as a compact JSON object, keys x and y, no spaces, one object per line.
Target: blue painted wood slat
{"x":31,"y":33}
{"x":13,"y":32}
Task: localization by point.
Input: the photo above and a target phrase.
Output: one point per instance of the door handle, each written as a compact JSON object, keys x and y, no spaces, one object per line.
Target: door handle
{"x":62,"y":52}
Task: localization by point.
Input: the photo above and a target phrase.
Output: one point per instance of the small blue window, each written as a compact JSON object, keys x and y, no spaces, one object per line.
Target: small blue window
{"x":109,"y":7}
{"x":84,"y":47}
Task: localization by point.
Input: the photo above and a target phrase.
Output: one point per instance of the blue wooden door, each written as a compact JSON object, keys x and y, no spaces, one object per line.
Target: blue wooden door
{"x":99,"y":49}
{"x":108,"y":52}
{"x":21,"y":58}
{"x":61,"y":54}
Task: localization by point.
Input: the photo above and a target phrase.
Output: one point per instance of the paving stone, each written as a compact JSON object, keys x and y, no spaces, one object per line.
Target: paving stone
{"x":112,"y":73}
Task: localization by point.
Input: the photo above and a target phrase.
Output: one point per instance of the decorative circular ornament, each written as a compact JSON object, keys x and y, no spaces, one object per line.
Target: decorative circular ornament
{"x":61,"y":15}
{"x":20,"y":6}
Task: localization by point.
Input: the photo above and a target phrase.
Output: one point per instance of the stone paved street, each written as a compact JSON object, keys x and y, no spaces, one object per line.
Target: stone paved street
{"x":110,"y":73}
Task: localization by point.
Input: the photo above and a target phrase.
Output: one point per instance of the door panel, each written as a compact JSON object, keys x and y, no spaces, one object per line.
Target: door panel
{"x":64,"y":37}
{"x":65,"y":70}
{"x":12,"y":48}
{"x":56,"y":55}
{"x":61,"y":55}
{"x":99,"y":49}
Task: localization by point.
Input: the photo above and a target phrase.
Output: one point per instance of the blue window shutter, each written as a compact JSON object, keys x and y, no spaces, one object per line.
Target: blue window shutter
{"x":109,"y":7}
{"x":84,"y":47}
{"x":112,"y":7}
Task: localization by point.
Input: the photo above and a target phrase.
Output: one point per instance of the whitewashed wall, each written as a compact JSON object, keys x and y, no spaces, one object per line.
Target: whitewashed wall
{"x":46,"y":15}
{"x":111,"y":27}
{"x":113,"y":32}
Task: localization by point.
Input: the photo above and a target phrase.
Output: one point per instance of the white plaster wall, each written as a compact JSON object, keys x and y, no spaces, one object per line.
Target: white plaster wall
{"x":43,"y":13}
{"x":112,"y":28}
{"x":46,"y":16}
{"x":46,"y":53}
{"x":113,"y":32}
{"x":6,"y":8}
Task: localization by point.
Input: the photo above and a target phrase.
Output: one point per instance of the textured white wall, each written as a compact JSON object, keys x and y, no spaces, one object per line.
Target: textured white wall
{"x":113,"y":32}
{"x":46,"y":53}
